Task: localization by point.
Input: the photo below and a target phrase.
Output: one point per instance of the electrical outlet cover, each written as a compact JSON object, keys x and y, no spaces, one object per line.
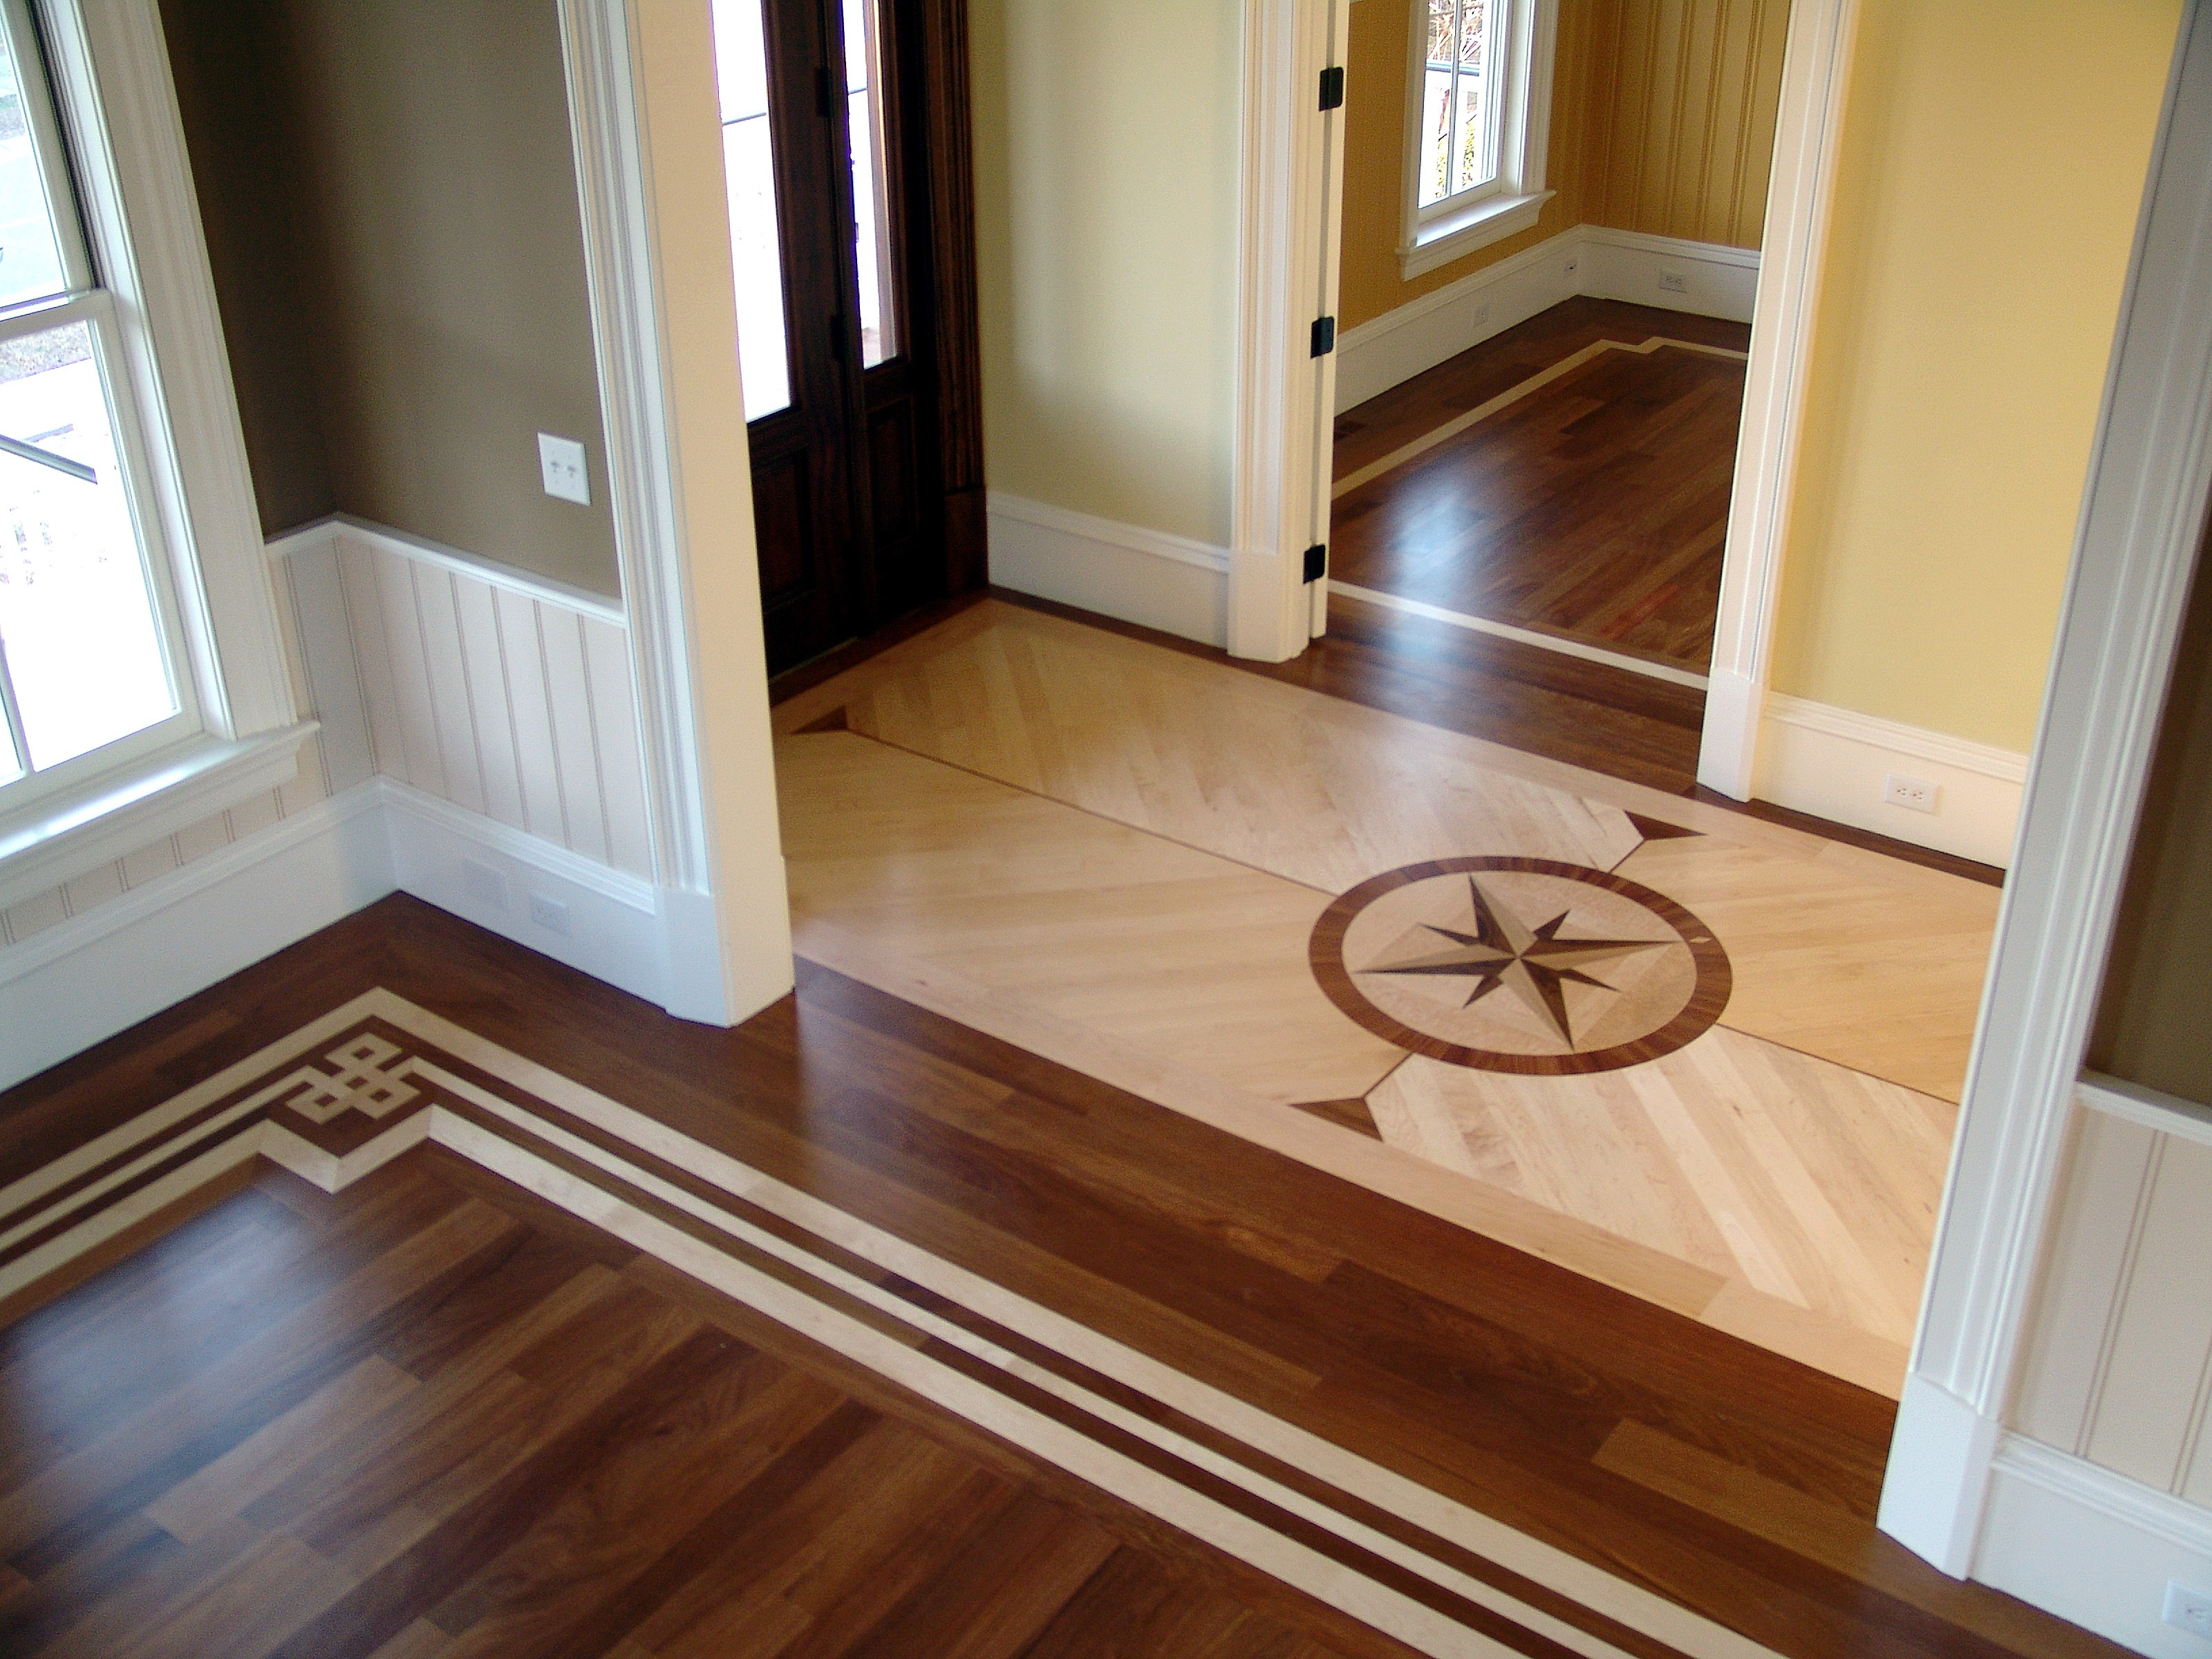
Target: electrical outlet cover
{"x":1673,"y":282}
{"x":550,"y":913}
{"x":1915,"y":794}
{"x":564,"y":470}
{"x":2188,"y":1609}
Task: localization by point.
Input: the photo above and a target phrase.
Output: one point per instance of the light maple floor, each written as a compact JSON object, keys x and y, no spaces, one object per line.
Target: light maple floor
{"x":1113,"y":854}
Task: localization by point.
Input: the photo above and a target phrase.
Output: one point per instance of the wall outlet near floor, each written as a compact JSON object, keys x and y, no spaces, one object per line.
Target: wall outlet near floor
{"x":1916,"y":794}
{"x":2188,"y":1609}
{"x":550,"y":913}
{"x":1674,"y":281}
{"x":1481,"y":316}
{"x":485,"y":884}
{"x":561,"y":464}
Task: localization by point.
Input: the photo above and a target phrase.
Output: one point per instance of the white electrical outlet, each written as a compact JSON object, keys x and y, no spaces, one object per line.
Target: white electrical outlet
{"x":1481,"y":316}
{"x":485,"y":884}
{"x":561,"y":462}
{"x":550,"y":913}
{"x":1916,"y":794}
{"x":2188,"y":1609}
{"x":1673,"y":282}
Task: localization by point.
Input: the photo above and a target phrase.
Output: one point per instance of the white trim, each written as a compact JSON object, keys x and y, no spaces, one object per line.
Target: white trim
{"x":1437,"y":236}
{"x":85,"y":979}
{"x":2092,"y":1545}
{"x":614,"y":929}
{"x":1566,"y":647}
{"x":1586,"y":259}
{"x":1938,"y":1469}
{"x":329,"y":531}
{"x":118,"y":816}
{"x":1172,"y":583}
{"x":2151,"y":1109}
{"x":1290,"y":202}
{"x":2143,"y":518}
{"x":1835,"y":764}
{"x":1815,"y":63}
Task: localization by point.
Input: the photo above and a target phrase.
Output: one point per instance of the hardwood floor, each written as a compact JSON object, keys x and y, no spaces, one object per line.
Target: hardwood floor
{"x":433,"y":1414}
{"x":1588,"y":499}
{"x":1123,"y":858}
{"x":1673,"y":1457}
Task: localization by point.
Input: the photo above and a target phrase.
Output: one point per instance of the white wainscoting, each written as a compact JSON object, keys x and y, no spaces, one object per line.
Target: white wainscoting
{"x":1172,"y":583}
{"x":1834,"y":763}
{"x":1717,"y":280}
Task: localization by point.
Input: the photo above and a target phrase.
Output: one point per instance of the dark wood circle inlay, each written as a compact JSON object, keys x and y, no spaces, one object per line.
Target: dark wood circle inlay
{"x":1682,"y":1022}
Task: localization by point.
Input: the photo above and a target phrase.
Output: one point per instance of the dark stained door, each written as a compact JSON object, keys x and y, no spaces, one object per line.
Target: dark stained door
{"x":865,"y":437}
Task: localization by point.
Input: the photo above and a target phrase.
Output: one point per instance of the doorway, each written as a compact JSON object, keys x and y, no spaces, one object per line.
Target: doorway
{"x":844,"y":131}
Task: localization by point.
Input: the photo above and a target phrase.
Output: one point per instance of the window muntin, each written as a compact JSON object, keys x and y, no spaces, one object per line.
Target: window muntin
{"x":89,"y":650}
{"x":1463,"y":101}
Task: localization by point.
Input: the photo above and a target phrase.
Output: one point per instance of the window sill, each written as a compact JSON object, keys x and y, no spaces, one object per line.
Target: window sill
{"x":58,"y":840}
{"x":1442,"y":240}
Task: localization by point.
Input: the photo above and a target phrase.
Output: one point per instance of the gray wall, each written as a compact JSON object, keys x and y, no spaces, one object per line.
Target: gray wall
{"x":2154,"y":1016}
{"x":390,"y":201}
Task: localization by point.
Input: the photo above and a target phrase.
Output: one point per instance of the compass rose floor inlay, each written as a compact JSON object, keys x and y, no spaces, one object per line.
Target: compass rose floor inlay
{"x":1705,"y":1058}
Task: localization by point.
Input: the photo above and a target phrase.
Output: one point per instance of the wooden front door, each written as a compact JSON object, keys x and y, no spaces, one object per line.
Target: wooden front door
{"x":845,"y":135}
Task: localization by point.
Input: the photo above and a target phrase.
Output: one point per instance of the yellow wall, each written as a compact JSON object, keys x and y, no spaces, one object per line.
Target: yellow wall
{"x":1663,"y":120}
{"x":1980,"y":238}
{"x":1106,"y":203}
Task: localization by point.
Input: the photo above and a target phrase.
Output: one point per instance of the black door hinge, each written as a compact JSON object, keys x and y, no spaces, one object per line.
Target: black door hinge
{"x":1332,"y":88}
{"x":1316,"y":561}
{"x":1324,"y":335}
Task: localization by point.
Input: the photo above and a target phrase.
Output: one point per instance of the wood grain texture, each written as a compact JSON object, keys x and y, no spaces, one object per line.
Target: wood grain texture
{"x":1467,"y":1366}
{"x":434,"y":1415}
{"x":1591,"y":502}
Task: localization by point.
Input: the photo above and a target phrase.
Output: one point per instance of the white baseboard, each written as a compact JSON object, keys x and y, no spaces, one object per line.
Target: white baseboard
{"x":1939,"y":1464}
{"x":1830,"y":762}
{"x":1385,"y":351}
{"x":1172,"y":583}
{"x":1717,"y":280}
{"x":81,"y":981}
{"x":613,"y":928}
{"x":2093,"y":1546}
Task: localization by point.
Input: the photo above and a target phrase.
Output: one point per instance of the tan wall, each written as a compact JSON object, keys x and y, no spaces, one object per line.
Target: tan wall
{"x":392,"y":213}
{"x":1663,"y":120}
{"x":2151,"y":1027}
{"x":1106,"y":204}
{"x":1980,"y":243}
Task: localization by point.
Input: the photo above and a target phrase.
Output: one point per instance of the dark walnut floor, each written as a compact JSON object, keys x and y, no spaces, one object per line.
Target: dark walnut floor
{"x":434,"y":1416}
{"x":1734,"y":1482}
{"x":1594,"y":506}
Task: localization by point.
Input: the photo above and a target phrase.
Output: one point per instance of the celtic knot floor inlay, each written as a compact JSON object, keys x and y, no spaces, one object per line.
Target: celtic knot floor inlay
{"x":1519,"y":965}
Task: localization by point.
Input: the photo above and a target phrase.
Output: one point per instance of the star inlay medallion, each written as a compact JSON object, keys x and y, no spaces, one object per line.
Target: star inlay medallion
{"x":1534,"y":963}
{"x":1612,"y":974}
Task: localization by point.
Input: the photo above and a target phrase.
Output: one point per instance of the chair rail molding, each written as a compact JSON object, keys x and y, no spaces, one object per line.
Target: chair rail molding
{"x":2144,"y":516}
{"x":723,"y":895}
{"x":1291,"y":207}
{"x":1816,"y":64}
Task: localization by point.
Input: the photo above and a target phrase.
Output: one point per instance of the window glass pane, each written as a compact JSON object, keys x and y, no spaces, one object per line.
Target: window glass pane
{"x":76,"y":612}
{"x":1437,"y":103}
{"x":756,"y":246}
{"x":30,"y":248}
{"x":871,"y":218}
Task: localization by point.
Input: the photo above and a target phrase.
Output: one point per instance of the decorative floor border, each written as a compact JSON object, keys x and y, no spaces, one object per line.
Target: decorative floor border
{"x":371,"y":1080}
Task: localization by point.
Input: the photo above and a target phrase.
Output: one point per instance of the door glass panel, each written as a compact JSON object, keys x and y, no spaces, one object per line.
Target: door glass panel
{"x":756,"y":246}
{"x":30,"y":249}
{"x":871,"y":218}
{"x":77,"y":618}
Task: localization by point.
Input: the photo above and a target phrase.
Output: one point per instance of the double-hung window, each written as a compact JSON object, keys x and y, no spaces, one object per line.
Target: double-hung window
{"x":1478,"y":111}
{"x":142,"y":677}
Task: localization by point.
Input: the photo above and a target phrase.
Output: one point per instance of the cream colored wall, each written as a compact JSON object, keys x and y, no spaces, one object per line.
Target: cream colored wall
{"x":1981,"y":233}
{"x":1106,"y":204}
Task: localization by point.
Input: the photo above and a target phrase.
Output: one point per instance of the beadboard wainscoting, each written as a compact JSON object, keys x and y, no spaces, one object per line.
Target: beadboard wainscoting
{"x":2102,"y":1491}
{"x":479,"y":747}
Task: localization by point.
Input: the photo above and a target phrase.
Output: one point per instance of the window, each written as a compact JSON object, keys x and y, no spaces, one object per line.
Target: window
{"x":1478,"y":108}
{"x":142,"y":680}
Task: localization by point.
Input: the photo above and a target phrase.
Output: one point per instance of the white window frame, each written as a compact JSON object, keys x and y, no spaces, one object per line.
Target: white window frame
{"x":1458,"y":225}
{"x":179,"y":434}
